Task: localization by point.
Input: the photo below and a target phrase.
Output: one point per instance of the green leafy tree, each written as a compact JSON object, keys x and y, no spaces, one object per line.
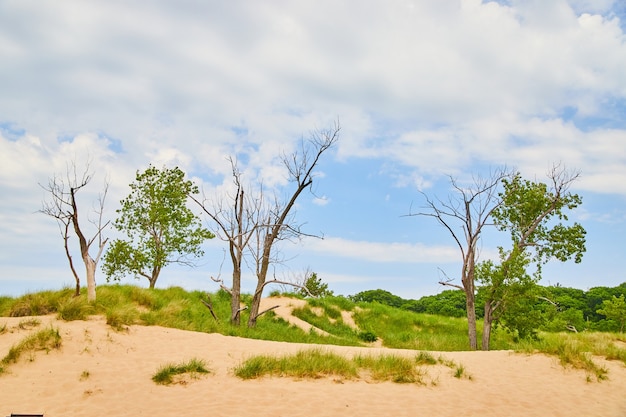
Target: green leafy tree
{"x":615,"y":309}
{"x":161,"y":229}
{"x":378,"y":296}
{"x":534,"y":214}
{"x":315,"y":287}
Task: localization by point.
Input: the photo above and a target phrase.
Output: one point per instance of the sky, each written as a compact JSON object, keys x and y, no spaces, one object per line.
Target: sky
{"x":423,"y":90}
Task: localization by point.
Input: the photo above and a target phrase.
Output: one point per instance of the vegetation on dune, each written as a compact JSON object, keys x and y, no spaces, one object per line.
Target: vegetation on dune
{"x":42,"y":340}
{"x":318,"y":363}
{"x":125,"y":305}
{"x":168,"y":374}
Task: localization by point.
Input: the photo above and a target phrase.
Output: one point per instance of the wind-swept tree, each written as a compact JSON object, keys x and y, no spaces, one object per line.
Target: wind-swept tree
{"x":464,"y":214}
{"x":63,"y":206}
{"x":535,"y":215}
{"x":252,"y":221}
{"x":161,"y":229}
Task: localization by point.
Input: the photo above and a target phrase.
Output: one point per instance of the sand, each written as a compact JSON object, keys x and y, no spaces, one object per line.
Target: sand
{"x":99,"y":371}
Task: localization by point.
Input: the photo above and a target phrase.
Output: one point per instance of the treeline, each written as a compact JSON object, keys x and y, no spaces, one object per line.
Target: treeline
{"x":555,"y":308}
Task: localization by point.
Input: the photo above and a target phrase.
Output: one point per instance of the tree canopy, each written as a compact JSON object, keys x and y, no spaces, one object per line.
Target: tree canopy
{"x":159,"y":226}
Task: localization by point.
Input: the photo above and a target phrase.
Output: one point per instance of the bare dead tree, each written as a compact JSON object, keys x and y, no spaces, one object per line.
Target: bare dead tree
{"x":300,"y":164}
{"x":236,"y":218}
{"x":464,"y":214}
{"x":252,"y":223}
{"x":63,"y":207}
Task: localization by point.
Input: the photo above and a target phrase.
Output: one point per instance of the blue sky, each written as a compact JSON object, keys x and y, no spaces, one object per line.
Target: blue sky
{"x":422,"y":90}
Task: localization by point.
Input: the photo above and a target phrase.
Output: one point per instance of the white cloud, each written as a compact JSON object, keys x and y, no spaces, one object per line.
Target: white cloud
{"x":423,"y":88}
{"x":383,"y":252}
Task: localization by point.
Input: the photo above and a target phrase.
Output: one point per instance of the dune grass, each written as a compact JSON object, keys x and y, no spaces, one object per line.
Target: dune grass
{"x":319,"y":363}
{"x":577,"y":350}
{"x":43,"y":340}
{"x":125,"y":305}
{"x":167,"y":374}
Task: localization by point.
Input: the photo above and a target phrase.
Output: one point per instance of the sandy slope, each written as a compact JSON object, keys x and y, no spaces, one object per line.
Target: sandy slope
{"x":120,"y":367}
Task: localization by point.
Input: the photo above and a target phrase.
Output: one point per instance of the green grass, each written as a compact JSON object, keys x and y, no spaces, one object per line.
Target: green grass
{"x":43,"y":340}
{"x":318,"y":363}
{"x":312,"y":363}
{"x":125,"y":305}
{"x":577,"y":350}
{"x":392,"y":368}
{"x":167,"y":374}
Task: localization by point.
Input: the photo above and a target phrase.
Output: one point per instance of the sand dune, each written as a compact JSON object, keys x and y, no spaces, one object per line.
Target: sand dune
{"x":102,"y":372}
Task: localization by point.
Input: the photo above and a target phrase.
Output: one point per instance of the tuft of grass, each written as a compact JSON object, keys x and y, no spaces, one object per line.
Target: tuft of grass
{"x":28,"y":323}
{"x":166,"y":374}
{"x":3,"y":328}
{"x":120,"y":317}
{"x":425,"y":358}
{"x":37,"y":304}
{"x":316,"y":363}
{"x":45,"y":340}
{"x":75,"y":308}
{"x":312,"y":363}
{"x":392,"y":368}
{"x":85,"y":375}
{"x":576,"y":351}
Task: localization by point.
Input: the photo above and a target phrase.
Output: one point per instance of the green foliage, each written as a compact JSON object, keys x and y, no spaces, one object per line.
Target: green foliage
{"x":160,"y":228}
{"x":379,"y":296}
{"x":449,"y":303}
{"x":166,"y":373}
{"x":315,"y":287}
{"x":533,"y":214}
{"x":529,"y":211}
{"x":615,"y":309}
{"x":368,"y":337}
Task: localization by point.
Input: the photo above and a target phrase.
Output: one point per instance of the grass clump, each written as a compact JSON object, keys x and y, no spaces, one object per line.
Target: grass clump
{"x":576,"y":351}
{"x":75,"y":308}
{"x":45,"y":340}
{"x":312,"y":363}
{"x":392,"y":368}
{"x":120,"y":317}
{"x":316,"y":363}
{"x":167,"y":374}
{"x":28,"y":323}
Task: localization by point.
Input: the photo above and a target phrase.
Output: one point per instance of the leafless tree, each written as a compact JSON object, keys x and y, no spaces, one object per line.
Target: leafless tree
{"x":63,"y":207}
{"x":464,"y":214}
{"x":252,"y":222}
{"x":236,"y":216}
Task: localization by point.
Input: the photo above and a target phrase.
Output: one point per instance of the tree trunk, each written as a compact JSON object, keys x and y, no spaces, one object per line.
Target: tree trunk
{"x":470,"y":295}
{"x":470,"y":305}
{"x":256,"y":303}
{"x":90,"y":267}
{"x":487,"y":325}
{"x":235,"y":298}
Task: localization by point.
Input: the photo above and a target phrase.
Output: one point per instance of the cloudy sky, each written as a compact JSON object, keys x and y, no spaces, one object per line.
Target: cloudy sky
{"x":423,"y":89}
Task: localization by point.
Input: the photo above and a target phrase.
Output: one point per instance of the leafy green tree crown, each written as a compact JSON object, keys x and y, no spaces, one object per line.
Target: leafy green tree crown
{"x":161,"y":229}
